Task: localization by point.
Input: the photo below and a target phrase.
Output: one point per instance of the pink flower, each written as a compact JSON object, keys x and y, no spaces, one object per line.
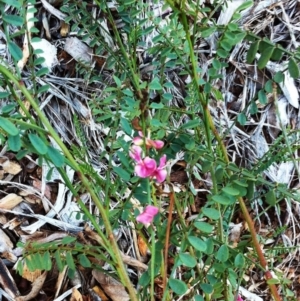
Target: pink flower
{"x":147,"y":216}
{"x":147,"y":167}
{"x":144,"y":167}
{"x":239,"y":298}
{"x":160,"y":173}
{"x":157,"y":144}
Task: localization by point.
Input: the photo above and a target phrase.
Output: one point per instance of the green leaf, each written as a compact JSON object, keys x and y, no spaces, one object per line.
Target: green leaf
{"x":68,"y":239}
{"x":70,"y":261}
{"x":262,"y":97}
{"x":265,"y":57}
{"x":211,"y":213}
{"x":198,"y":298}
{"x":14,"y":143}
{"x":43,"y":89}
{"x":126,"y":127}
{"x":204,"y":227}
{"x":239,"y":261}
{"x":84,"y":261}
{"x":14,"y":3}
{"x":55,"y":156}
{"x":293,"y":69}
{"x":208,"y":32}
{"x":277,"y":54}
{"x":8,"y":108}
{"x":230,"y":190}
{"x":42,"y":72}
{"x":15,"y":50}
{"x":273,"y":281}
{"x":155,"y":105}
{"x":187,"y":260}
{"x":122,"y":173}
{"x":207,"y":288}
{"x":252,"y":52}
{"x":241,"y":118}
{"x":58,"y":260}
{"x":8,"y":126}
{"x":4,"y":94}
{"x":222,"y":199}
{"x":222,"y":53}
{"x":117,"y":81}
{"x":197,"y":243}
{"x":13,"y":20}
{"x":190,"y":124}
{"x":47,"y":263}
{"x":178,"y":286}
{"x":223,"y":253}
{"x":38,"y":144}
{"x":244,"y":6}
{"x":279,"y":77}
{"x":270,"y":197}
{"x":155,"y":84}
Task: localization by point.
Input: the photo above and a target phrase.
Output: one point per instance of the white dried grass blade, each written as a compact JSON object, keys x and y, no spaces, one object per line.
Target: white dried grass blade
{"x":26,"y":53}
{"x":290,"y":90}
{"x":67,"y":293}
{"x":52,"y":10}
{"x":249,"y":296}
{"x":283,"y":117}
{"x":49,"y":216}
{"x":227,"y":14}
{"x":78,"y":50}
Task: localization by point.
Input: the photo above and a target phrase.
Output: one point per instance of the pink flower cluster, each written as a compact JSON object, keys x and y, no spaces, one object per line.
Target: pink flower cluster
{"x":147,"y":167}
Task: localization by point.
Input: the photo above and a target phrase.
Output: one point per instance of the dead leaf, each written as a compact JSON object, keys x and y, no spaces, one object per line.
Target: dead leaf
{"x":76,"y":296}
{"x":100,"y":293}
{"x":36,"y":287}
{"x":28,"y":275}
{"x":112,"y":288}
{"x":10,"y":201}
{"x":11,"y":167}
{"x":143,"y":248}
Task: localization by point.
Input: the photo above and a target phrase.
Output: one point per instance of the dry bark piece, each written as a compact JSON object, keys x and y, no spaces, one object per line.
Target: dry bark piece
{"x":10,"y":201}
{"x":112,"y":288}
{"x":36,"y":287}
{"x":7,"y":281}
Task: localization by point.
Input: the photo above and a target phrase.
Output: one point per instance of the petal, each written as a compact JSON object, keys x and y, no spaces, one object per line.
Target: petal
{"x":160,"y":175}
{"x":137,"y":141}
{"x":152,"y":210}
{"x":157,"y":144}
{"x":150,"y":164}
{"x":162,"y":161}
{"x":135,"y":153}
{"x":141,"y":171}
{"x":144,"y":218}
{"x":141,"y":133}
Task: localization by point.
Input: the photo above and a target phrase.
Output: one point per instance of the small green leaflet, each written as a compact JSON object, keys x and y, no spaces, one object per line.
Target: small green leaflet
{"x":265,"y":57}
{"x":197,"y":243}
{"x":15,"y":50}
{"x":13,"y":20}
{"x":14,"y":143}
{"x":204,"y":227}
{"x":211,"y":213}
{"x":55,"y":156}
{"x":223,"y":253}
{"x":8,"y":126}
{"x":187,"y":260}
{"x":293,"y":68}
{"x":155,"y":84}
{"x":178,"y":286}
{"x":38,"y":144}
{"x":252,"y":52}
